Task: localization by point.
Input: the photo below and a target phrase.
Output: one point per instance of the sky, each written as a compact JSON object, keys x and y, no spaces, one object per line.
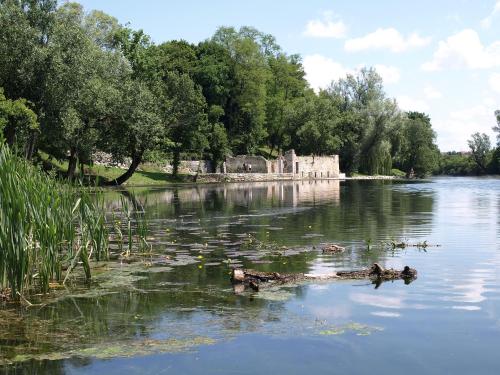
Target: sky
{"x":441,"y":57}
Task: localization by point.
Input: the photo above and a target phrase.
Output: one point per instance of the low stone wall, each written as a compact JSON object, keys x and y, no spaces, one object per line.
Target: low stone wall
{"x":190,"y":167}
{"x":236,"y":164}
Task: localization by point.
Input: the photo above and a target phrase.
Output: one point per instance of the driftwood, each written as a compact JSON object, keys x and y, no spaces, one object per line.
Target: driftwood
{"x":377,"y":274}
{"x":332,"y":249}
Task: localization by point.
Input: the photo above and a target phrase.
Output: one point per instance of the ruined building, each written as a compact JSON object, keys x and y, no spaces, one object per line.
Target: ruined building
{"x":316,"y":167}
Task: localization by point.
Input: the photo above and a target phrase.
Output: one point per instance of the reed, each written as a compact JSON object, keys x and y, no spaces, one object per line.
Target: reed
{"x":45,"y":227}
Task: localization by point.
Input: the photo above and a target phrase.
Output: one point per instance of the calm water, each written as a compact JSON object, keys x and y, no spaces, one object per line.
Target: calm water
{"x":178,"y":313}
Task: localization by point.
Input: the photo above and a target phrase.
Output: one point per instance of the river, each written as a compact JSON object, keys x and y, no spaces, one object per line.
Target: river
{"x":177,"y":312}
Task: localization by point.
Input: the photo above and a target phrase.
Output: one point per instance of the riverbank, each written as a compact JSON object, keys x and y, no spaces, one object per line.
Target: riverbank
{"x":261,"y":177}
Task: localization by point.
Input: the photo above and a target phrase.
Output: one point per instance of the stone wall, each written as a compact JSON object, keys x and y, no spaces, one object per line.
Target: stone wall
{"x":191,"y":167}
{"x":236,"y":164}
{"x":316,"y":167}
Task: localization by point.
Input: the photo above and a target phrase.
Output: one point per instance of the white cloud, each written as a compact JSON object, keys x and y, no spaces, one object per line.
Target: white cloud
{"x":326,"y":27}
{"x":494,"y":82}
{"x":389,"y":74}
{"x":389,"y":38}
{"x":464,"y":49}
{"x":432,"y":93}
{"x":487,"y":21}
{"x":407,"y":103}
{"x":454,"y":131}
{"x":321,"y":71}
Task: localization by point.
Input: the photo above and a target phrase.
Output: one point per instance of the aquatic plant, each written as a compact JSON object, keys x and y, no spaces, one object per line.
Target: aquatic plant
{"x":136,"y":226}
{"x":46,"y":227}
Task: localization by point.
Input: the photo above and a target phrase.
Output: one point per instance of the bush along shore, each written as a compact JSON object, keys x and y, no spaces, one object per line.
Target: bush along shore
{"x":48,"y":228}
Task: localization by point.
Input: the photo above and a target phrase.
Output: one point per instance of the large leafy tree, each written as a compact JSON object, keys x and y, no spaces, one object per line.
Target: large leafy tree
{"x":480,"y":146}
{"x":25,"y":32}
{"x":286,"y":83}
{"x":366,"y":117}
{"x":83,"y":77}
{"x":419,"y":152}
{"x":185,"y":116}
{"x":318,"y":133}
{"x":245,"y":109}
{"x":136,"y":126}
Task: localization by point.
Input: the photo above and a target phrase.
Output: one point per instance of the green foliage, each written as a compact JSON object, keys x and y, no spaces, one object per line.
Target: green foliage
{"x":456,"y":164}
{"x":45,"y":226}
{"x":219,"y":143}
{"x":418,"y":151}
{"x":96,"y":85}
{"x":397,"y":173}
{"x":496,"y":128}
{"x":17,"y":121}
{"x":319,"y":135}
{"x":480,"y":146}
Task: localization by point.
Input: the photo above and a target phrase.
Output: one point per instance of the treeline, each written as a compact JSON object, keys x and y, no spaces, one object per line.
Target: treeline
{"x":482,"y":158}
{"x":75,"y":83}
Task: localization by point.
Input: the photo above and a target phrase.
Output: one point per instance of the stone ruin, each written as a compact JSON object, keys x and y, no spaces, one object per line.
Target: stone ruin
{"x":317,"y":167}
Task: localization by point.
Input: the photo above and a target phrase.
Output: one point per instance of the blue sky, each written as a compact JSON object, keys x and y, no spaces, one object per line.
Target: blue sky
{"x":441,"y":57}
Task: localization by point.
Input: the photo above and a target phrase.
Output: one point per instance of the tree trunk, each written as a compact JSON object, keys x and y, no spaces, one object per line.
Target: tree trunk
{"x":10,"y":135}
{"x":31,"y":147}
{"x":136,"y":160}
{"x":176,"y":161}
{"x":72,"y":161}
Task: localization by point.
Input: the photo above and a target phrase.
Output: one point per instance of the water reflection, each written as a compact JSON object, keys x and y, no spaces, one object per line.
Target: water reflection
{"x":201,"y":232}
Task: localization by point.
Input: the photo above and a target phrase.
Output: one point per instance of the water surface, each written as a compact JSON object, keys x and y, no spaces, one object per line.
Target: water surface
{"x":177,"y":312}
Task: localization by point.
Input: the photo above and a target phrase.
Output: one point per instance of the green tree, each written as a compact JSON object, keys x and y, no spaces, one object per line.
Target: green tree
{"x":366,"y":117}
{"x":184,"y":112}
{"x":17,"y":121}
{"x":82,"y":82}
{"x":318,"y":135}
{"x":245,"y":110}
{"x":480,"y":146}
{"x":496,"y":128}
{"x":419,"y":152}
{"x":136,"y":126}
{"x":25,"y":32}
{"x":286,"y":83}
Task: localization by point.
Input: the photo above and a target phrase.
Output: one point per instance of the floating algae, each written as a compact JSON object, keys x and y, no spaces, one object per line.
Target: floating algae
{"x":357,"y":328}
{"x":120,"y":349}
{"x":275,"y":294}
{"x":141,"y":348}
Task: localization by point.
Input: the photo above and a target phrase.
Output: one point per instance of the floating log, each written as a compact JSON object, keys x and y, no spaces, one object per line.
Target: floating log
{"x":376,"y":273}
{"x":332,"y":249}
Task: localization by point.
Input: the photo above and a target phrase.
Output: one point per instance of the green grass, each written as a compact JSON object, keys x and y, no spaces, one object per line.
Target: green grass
{"x":398,"y":173}
{"x":146,"y":176}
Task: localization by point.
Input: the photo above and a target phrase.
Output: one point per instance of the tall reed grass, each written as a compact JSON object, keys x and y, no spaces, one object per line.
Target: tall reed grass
{"x":45,"y":227}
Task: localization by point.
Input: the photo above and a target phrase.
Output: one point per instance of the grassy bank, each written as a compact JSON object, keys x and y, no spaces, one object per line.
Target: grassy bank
{"x":147,"y":175}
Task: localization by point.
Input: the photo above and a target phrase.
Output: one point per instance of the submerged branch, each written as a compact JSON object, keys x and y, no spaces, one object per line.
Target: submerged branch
{"x":377,"y":274}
